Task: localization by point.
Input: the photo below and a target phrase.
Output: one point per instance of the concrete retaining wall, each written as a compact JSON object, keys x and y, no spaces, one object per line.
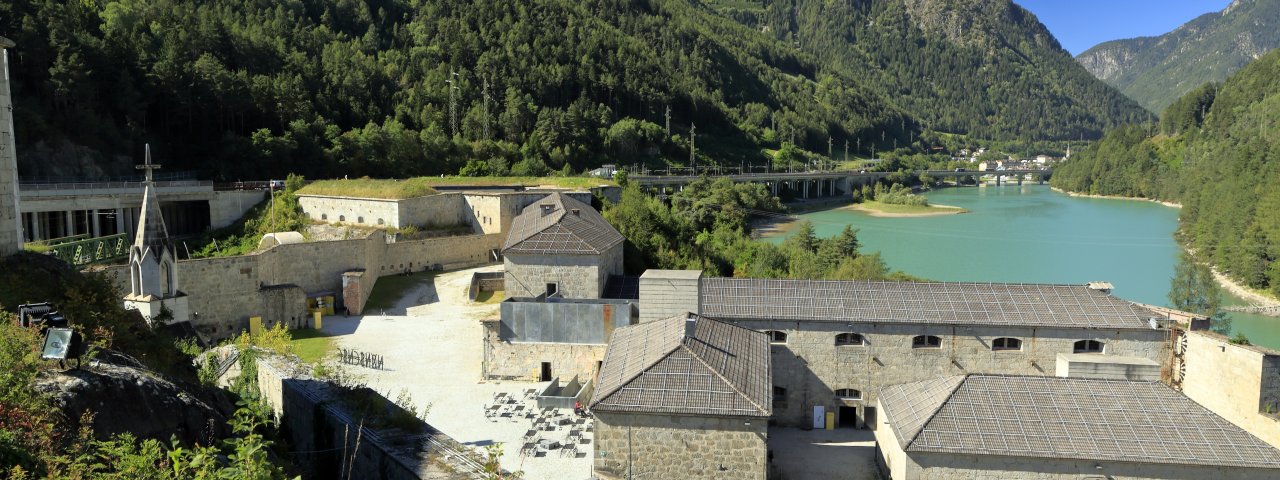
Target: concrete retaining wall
{"x":227,"y":207}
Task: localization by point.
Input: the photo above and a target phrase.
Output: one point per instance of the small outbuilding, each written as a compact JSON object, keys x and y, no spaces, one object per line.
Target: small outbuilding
{"x":685,"y":397}
{"x":995,"y":426}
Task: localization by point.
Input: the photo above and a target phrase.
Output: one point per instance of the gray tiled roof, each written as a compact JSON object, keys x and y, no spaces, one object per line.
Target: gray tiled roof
{"x":1069,"y":306}
{"x":1075,"y":418}
{"x":657,"y":367}
{"x":551,"y":226}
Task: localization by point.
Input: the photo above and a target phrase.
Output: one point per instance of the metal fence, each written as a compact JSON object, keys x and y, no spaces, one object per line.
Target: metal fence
{"x":93,"y":250}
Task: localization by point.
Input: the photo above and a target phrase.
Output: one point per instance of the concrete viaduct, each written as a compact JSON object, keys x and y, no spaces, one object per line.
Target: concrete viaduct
{"x":819,"y":184}
{"x":59,"y":210}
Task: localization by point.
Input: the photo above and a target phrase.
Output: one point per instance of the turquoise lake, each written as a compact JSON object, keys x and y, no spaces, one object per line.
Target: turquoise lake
{"x":1031,"y":234}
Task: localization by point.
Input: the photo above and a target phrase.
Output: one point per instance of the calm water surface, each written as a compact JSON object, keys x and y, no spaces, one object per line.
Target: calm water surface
{"x":1031,"y":234}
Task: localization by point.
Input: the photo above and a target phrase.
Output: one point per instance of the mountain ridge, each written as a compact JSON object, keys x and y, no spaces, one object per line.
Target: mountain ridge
{"x":1156,"y":70}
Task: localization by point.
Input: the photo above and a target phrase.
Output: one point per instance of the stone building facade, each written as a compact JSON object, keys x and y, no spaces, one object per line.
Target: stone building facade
{"x":837,"y":344}
{"x":1239,"y":382}
{"x":559,"y":245}
{"x":711,"y":419}
{"x":1047,"y":428}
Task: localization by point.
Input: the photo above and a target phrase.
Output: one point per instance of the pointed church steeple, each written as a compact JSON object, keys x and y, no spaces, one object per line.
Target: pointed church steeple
{"x":151,"y":259}
{"x":152,"y":238}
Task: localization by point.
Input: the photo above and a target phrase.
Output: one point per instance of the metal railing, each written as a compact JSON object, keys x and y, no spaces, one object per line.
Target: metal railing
{"x":93,"y":250}
{"x":111,"y":185}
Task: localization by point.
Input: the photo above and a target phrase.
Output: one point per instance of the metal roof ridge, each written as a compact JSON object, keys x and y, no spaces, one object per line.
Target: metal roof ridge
{"x":624,"y":383}
{"x":768,"y":365}
{"x":934,"y":413}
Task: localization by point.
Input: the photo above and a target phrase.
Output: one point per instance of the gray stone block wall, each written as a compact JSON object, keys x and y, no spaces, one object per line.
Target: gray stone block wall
{"x":10,"y":219}
{"x":811,"y":367}
{"x":666,"y":293}
{"x":675,"y":446}
{"x":224,"y":292}
{"x":228,"y":206}
{"x":1235,"y":381}
{"x":575,"y":276}
{"x":504,"y":360}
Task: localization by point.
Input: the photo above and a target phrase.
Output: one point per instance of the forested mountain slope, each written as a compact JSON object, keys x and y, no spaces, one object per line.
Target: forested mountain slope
{"x":987,"y":68}
{"x":257,"y":88}
{"x":1217,"y":151}
{"x":1155,"y":71}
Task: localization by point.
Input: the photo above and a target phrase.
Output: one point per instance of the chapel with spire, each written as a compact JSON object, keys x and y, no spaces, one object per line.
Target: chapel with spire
{"x":153,"y":275}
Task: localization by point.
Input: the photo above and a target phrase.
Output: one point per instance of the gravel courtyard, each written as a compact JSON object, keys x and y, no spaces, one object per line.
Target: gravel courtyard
{"x":432,"y":342}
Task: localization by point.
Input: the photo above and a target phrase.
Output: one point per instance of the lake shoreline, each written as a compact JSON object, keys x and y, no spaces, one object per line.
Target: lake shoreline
{"x":1242,"y":291}
{"x":1116,"y":197}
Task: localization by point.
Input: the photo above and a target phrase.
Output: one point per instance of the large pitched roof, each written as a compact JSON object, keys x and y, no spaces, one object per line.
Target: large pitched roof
{"x":1070,"y":306}
{"x":686,"y":365}
{"x":563,"y":225}
{"x":1076,"y":418}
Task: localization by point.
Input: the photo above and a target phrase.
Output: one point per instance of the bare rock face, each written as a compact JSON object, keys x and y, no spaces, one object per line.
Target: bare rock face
{"x":125,"y":397}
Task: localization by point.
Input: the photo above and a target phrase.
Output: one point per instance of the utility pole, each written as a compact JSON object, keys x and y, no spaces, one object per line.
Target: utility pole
{"x":846,"y":149}
{"x":453,"y":103}
{"x":828,"y":146}
{"x":485,"y":93}
{"x":668,"y":116}
{"x":693,"y":150}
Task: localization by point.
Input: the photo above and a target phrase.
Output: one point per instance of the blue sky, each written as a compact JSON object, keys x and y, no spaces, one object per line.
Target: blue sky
{"x":1080,"y":24}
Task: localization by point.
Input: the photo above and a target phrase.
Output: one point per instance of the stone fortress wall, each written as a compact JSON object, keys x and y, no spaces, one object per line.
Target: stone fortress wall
{"x":485,"y":211}
{"x":678,"y":446}
{"x":1239,"y":382}
{"x":224,"y":292}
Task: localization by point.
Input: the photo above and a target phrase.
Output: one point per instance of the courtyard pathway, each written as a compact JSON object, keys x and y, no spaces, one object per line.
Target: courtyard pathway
{"x":432,"y":342}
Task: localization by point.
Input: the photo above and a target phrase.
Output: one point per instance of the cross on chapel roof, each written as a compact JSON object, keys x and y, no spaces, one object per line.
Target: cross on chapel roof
{"x":147,"y":166}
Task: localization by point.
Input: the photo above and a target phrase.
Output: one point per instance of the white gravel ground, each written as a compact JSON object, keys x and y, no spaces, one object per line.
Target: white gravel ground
{"x":432,"y":341}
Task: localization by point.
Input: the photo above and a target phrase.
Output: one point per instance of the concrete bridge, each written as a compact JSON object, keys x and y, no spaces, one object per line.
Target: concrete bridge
{"x":59,"y":210}
{"x":816,"y":184}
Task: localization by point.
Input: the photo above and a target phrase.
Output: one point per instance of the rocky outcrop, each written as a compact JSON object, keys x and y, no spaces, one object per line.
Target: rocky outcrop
{"x":126,"y":397}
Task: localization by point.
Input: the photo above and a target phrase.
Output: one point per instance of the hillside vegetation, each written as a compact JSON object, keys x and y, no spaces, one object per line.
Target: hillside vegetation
{"x":985,"y":68}
{"x":1155,"y":71}
{"x":333,"y":88}
{"x":1216,"y":151}
{"x":245,"y":89}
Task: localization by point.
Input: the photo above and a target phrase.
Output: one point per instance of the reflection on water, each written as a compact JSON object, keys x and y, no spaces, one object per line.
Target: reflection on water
{"x":1031,"y":234}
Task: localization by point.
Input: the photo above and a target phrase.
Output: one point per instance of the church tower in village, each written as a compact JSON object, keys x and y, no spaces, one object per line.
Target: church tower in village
{"x":10,"y":219}
{"x":153,"y":276}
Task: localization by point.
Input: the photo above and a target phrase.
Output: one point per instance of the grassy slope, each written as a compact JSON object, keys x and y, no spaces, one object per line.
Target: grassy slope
{"x":422,"y":186}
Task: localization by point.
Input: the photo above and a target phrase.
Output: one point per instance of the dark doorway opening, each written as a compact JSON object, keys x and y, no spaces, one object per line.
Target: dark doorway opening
{"x":869,"y":416}
{"x":552,"y":289}
{"x":848,"y":417}
{"x":546,"y":372}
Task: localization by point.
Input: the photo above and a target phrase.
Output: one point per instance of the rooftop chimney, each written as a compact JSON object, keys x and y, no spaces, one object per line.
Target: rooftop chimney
{"x":547,"y":208}
{"x":576,"y":212}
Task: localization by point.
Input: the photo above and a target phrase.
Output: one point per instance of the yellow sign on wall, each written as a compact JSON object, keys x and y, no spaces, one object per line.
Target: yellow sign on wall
{"x":319,"y":320}
{"x":255,"y":325}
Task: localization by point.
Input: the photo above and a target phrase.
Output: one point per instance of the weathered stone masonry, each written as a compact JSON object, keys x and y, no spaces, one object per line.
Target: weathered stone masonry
{"x":631,"y":445}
